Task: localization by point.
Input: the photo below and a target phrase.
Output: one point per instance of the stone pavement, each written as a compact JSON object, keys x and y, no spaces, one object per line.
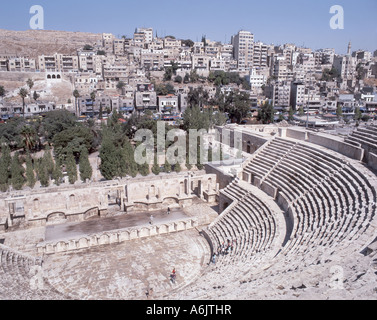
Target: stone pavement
{"x":98,"y":225}
{"x":127,"y":270}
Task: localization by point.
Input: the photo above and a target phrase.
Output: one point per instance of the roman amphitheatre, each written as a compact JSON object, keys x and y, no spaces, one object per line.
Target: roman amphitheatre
{"x":299,"y":213}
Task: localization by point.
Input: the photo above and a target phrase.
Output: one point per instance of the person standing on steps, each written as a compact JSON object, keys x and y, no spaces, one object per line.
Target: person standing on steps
{"x":168,"y":210}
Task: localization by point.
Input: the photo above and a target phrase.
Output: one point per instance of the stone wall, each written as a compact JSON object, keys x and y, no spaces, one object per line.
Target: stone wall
{"x":330,"y":142}
{"x":63,"y":204}
{"x":115,"y":236}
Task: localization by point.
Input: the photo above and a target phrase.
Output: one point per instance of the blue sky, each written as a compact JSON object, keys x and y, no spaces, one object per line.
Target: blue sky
{"x":303,"y":22}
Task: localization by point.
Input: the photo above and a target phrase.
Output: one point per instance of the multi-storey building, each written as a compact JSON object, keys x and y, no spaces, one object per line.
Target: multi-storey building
{"x":260,"y":55}
{"x":345,"y":65}
{"x":3,"y":64}
{"x":279,"y":93}
{"x":243,"y":44}
{"x":257,"y":80}
{"x":201,"y":64}
{"x":21,"y":64}
{"x":119,"y":47}
{"x":58,"y":63}
{"x":108,"y":42}
{"x":168,"y":103}
{"x":297,"y":95}
{"x":148,"y":34}
{"x":152,"y":59}
{"x":145,"y":97}
{"x":88,"y":61}
{"x":170,"y":42}
{"x":86,"y":83}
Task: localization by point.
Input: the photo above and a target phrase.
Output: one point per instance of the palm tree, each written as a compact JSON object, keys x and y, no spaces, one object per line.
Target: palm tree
{"x":28,"y":137}
{"x":30,"y":84}
{"x":2,"y":91}
{"x":76,"y":94}
{"x":93,"y":97}
{"x":23,"y":94}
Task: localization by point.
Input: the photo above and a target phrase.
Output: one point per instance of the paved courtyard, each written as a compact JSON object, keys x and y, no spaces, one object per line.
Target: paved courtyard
{"x":127,"y":270}
{"x":69,"y":230}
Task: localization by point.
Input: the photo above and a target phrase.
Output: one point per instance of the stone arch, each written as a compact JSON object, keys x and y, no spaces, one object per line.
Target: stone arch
{"x":104,"y":239}
{"x":141,"y":206}
{"x":83,"y":243}
{"x":61,"y":246}
{"x":58,"y":76}
{"x":49,"y":76}
{"x":53,"y":76}
{"x":56,"y":217}
{"x":170,"y":201}
{"x":91,"y":213}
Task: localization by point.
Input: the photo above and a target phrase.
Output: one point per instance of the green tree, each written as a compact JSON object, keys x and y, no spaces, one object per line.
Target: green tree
{"x":42,"y":172}
{"x":76,"y":95}
{"x":5,"y":162}
{"x":194,"y":119}
{"x":93,"y":97}
{"x":121,"y":85}
{"x":86,"y":170}
{"x":29,"y":137}
{"x":48,"y":161}
{"x":290,"y":113}
{"x":35,"y":96}
{"x":358,"y":114}
{"x":167,"y":166}
{"x":108,"y":166}
{"x":73,"y":139}
{"x":186,"y":78}
{"x":266,"y":113}
{"x":30,"y":174}
{"x":144,"y":169}
{"x":178,"y":79}
{"x":17,"y":172}
{"x":129,"y":156}
{"x":30,"y":84}
{"x":177,"y":167}
{"x":71,"y":168}
{"x":57,"y":174}
{"x":23,"y":94}
{"x":339,"y":112}
{"x":2,"y":91}
{"x":156,"y":167}
{"x":57,"y":121}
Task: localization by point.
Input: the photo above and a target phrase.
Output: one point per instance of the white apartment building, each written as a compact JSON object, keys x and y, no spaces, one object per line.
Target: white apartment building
{"x":20,"y":64}
{"x":152,"y":59}
{"x":58,"y":63}
{"x":119,"y":47}
{"x":201,"y":64}
{"x":108,"y":42}
{"x":168,"y":103}
{"x":148,"y":34}
{"x":170,"y":42}
{"x":346,"y":66}
{"x":243,"y":44}
{"x":260,"y":55}
{"x":257,"y":80}
{"x":280,"y":94}
{"x":297,"y":95}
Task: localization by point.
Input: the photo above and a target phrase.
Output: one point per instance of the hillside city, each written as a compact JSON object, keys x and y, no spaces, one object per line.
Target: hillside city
{"x":148,"y":72}
{"x":271,"y":194}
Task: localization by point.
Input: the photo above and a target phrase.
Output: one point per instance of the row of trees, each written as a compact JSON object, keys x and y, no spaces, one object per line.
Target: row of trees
{"x":19,"y":171}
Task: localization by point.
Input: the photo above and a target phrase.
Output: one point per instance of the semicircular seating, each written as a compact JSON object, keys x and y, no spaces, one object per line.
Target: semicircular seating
{"x":330,"y":207}
{"x":21,"y":277}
